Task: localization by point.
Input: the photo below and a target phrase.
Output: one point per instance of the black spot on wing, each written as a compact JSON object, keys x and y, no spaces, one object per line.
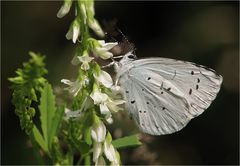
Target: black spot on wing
{"x":190,"y":91}
{"x":198,"y":80}
{"x":133,"y":101}
{"x":197,"y":87}
{"x":149,"y":78}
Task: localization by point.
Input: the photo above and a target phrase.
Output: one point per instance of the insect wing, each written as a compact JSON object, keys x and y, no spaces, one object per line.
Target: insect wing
{"x":163,"y":95}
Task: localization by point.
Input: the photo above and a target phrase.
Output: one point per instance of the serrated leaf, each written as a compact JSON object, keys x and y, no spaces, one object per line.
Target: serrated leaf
{"x":47,"y":110}
{"x":132,"y":140}
{"x":39,"y":138}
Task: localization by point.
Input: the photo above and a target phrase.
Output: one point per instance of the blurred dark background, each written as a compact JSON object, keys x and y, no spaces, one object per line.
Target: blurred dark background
{"x":206,"y":33}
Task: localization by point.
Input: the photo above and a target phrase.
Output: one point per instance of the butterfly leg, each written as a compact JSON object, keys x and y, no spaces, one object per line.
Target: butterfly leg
{"x":108,"y":65}
{"x":117,"y":57}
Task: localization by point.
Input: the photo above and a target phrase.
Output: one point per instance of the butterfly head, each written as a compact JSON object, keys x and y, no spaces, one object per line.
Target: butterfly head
{"x":128,"y":57}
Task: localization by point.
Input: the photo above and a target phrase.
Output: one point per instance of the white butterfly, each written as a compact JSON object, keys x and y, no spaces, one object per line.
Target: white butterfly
{"x":163,"y":94}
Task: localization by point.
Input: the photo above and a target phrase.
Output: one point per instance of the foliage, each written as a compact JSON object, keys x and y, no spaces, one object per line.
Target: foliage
{"x":26,"y":85}
{"x":65,"y":134}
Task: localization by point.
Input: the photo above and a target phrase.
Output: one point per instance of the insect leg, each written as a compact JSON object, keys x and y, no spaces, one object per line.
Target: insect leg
{"x":108,"y":65}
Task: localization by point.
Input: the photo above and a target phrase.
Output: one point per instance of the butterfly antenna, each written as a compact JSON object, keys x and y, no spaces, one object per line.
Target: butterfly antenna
{"x":126,"y":39}
{"x":111,"y":37}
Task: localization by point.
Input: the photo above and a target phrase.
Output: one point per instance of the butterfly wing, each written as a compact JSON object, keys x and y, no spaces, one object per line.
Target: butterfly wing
{"x":163,"y":95}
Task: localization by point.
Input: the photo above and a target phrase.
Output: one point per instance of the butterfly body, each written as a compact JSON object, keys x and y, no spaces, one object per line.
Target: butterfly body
{"x":162,"y":95}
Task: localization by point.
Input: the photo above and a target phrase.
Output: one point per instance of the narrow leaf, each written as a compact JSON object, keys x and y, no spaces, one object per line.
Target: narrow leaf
{"x":87,"y":136}
{"x":39,"y":138}
{"x":55,"y":123}
{"x":132,"y":140}
{"x":47,"y":110}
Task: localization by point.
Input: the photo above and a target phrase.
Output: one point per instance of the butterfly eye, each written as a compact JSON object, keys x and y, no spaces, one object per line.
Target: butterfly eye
{"x":131,"y":56}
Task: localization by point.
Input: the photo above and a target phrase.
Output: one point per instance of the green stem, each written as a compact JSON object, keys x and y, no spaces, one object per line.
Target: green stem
{"x":35,"y":149}
{"x":87,"y":160}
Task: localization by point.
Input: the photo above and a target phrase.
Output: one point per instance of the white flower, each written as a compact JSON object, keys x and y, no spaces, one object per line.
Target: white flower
{"x":74,"y":31}
{"x":84,"y":12}
{"x":64,"y":8}
{"x":105,"y":102}
{"x":98,"y":132}
{"x":85,"y":60}
{"x":100,"y":99}
{"x":109,"y":151}
{"x":113,"y":105}
{"x":100,"y":161}
{"x":74,"y":87}
{"x":114,"y":163}
{"x":94,"y":25}
{"x":107,"y":46}
{"x":75,"y":61}
{"x":97,"y":150}
{"x":72,"y":114}
{"x":115,"y":88}
{"x":109,"y":119}
{"x":103,"y":50}
{"x":104,"y":78}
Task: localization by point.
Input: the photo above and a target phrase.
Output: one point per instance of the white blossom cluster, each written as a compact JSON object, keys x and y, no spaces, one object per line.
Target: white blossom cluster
{"x":102,"y":80}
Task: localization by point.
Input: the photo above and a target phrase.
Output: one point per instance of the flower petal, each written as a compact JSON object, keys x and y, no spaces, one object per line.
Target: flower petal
{"x":116,"y":88}
{"x":104,"y":109}
{"x":97,"y":150}
{"x":109,"y":119}
{"x":109,"y":46}
{"x":76,"y":32}
{"x":85,"y":66}
{"x":66,"y":110}
{"x":104,"y":78}
{"x":94,"y":25}
{"x":69,"y":34}
{"x":98,"y":132}
{"x":103,"y":53}
{"x":74,"y":87}
{"x":85,"y":59}
{"x":113,"y":105}
{"x":64,"y":9}
{"x":98,"y":97}
{"x":100,"y":161}
{"x":109,"y":151}
{"x":75,"y":60}
{"x":68,"y":82}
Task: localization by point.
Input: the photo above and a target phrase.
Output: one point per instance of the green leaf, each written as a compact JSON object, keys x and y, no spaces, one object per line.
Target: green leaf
{"x":25,"y":85}
{"x":39,"y":138}
{"x":83,"y":147}
{"x":87,"y":136}
{"x":47,"y":111}
{"x":56,"y":121}
{"x":132,"y":140}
